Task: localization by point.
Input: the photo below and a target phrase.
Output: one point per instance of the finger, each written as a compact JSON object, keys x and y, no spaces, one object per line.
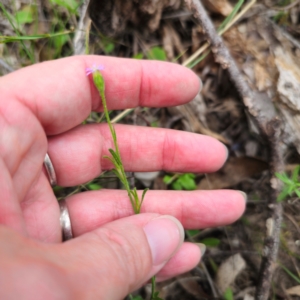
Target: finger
{"x":41,"y":212}
{"x":194,"y":209}
{"x":78,"y":154}
{"x":129,"y":251}
{"x":62,"y":96}
{"x":185,"y":259}
{"x":23,"y":145}
{"x":10,"y":212}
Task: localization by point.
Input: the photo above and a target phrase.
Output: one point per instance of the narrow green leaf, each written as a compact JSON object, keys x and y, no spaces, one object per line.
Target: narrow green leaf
{"x":231,"y":15}
{"x":110,"y":159}
{"x":297,"y":192}
{"x":211,"y":242}
{"x":143,"y":195}
{"x":116,"y":172}
{"x":115,"y":156}
{"x":291,"y":189}
{"x":195,"y":62}
{"x":10,"y":20}
{"x":296,"y":278}
{"x":283,"y":194}
{"x":10,"y":39}
{"x":295,"y":174}
{"x":284,"y":178}
{"x":135,"y":197}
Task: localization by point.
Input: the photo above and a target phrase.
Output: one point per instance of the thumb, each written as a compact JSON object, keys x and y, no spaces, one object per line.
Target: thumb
{"x":117,"y":258}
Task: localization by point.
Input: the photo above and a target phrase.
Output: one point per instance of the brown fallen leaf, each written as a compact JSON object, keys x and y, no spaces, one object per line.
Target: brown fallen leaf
{"x":233,"y":172}
{"x":222,"y":7}
{"x":229,"y":270}
{"x":295,"y":290}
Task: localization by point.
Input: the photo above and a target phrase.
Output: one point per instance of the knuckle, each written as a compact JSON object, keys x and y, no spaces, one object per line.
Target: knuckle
{"x":128,"y":252}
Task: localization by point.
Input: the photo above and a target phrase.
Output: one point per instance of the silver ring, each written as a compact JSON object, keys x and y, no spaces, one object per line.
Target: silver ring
{"x":65,"y":221}
{"x":50,"y":170}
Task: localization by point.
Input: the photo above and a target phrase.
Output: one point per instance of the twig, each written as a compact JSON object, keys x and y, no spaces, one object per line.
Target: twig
{"x":269,"y":128}
{"x":220,"y":51}
{"x":80,"y":33}
{"x":272,"y":240}
{"x":221,"y":32}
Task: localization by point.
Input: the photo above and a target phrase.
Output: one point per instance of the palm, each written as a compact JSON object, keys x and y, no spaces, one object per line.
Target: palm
{"x":42,"y":112}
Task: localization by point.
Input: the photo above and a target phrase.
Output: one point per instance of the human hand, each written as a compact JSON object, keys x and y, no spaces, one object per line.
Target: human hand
{"x":112,"y":253}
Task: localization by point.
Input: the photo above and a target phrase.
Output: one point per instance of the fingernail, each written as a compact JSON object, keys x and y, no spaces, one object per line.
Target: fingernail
{"x":227,"y":152}
{"x":200,"y":85}
{"x":165,"y":235}
{"x":244,"y":195}
{"x":202,"y":248}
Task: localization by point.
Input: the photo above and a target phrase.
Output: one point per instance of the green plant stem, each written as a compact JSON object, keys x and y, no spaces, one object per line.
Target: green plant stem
{"x":117,"y":161}
{"x":116,"y":157}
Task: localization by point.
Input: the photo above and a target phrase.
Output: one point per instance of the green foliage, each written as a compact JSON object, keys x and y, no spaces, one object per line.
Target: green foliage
{"x":192,"y":232}
{"x":213,"y":265}
{"x":59,"y":41}
{"x":157,"y":53}
{"x":231,"y":15}
{"x":135,"y":297}
{"x":181,"y":182}
{"x":94,"y":186}
{"x":282,"y":18}
{"x":108,"y":48}
{"x":139,"y":55}
{"x":211,"y":242}
{"x":291,"y":185}
{"x":25,"y":16}
{"x":228,"y":294}
{"x":9,"y":39}
{"x":154,"y":294}
{"x":12,"y":22}
{"x":70,"y":5}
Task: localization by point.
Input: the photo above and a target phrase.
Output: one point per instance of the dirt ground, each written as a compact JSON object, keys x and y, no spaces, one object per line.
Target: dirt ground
{"x":264,"y":42}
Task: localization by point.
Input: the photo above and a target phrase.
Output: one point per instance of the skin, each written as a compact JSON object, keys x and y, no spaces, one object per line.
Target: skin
{"x":113,"y":251}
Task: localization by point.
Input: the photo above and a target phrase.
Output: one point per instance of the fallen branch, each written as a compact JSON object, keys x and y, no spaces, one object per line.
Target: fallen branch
{"x":269,"y":127}
{"x":272,"y":240}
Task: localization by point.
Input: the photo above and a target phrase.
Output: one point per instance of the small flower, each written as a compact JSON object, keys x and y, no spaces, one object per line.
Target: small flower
{"x":94,"y":68}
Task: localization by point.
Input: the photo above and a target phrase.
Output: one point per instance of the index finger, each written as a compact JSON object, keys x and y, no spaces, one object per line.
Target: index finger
{"x":61,"y":95}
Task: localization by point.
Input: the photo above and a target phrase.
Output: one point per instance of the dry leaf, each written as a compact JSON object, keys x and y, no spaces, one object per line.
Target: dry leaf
{"x":262,"y":77}
{"x":233,"y":172}
{"x":228,"y":271}
{"x":222,"y":7}
{"x":288,"y":84}
{"x":295,"y":290}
